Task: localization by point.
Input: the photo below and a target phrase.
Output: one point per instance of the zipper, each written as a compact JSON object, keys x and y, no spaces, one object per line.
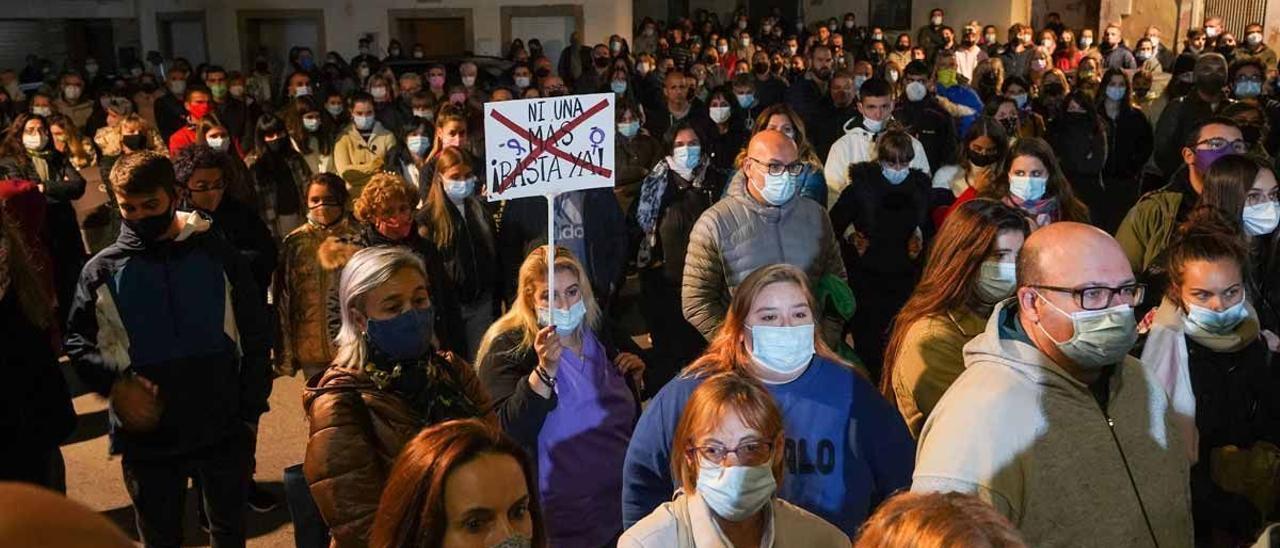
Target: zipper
{"x":1111,"y":426}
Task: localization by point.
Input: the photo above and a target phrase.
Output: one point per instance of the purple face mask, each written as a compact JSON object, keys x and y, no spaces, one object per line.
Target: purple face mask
{"x":1206,"y":158}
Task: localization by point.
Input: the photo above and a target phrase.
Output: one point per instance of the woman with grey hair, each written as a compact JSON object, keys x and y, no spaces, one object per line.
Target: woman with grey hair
{"x":387,"y":382}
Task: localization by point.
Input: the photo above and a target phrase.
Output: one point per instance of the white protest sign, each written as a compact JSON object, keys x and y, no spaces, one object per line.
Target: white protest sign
{"x":545,"y":146}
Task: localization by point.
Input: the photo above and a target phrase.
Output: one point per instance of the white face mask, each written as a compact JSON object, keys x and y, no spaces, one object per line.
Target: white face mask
{"x":874,"y":126}
{"x":378,"y":92}
{"x":71,"y":93}
{"x":997,"y":281}
{"x":301,"y":91}
{"x":459,"y":189}
{"x":217,"y":143}
{"x":735,"y":493}
{"x":468,"y":81}
{"x":363,"y":123}
{"x":523,"y":82}
{"x":34,"y":141}
{"x":422,"y":113}
{"x":720,"y":115}
{"x":236,"y":91}
{"x":916,"y":91}
{"x":311,"y":124}
{"x":1027,"y":188}
{"x":417,"y":144}
{"x":1262,"y":218}
{"x":42,"y":111}
{"x":782,"y":349}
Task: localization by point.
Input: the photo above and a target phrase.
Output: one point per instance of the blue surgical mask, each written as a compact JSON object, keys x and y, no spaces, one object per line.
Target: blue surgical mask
{"x":1214,"y":322}
{"x":1115,"y":93}
{"x":404,"y":337}
{"x":1247,"y":88}
{"x":779,"y":189}
{"x":618,"y":86}
{"x":1020,"y":100}
{"x":1099,"y":337}
{"x":629,"y":129}
{"x":895,"y":176}
{"x":782,"y":349}
{"x":1261,"y":218}
{"x":417,"y":144}
{"x":333,"y":110}
{"x":363,"y":123}
{"x":566,"y":321}
{"x":735,"y":493}
{"x":459,"y":189}
{"x":1027,"y":188}
{"x":746,"y":100}
{"x":687,"y":156}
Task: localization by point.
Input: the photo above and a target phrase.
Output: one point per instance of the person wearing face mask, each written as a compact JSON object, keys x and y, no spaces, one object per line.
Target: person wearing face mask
{"x":410,"y":155}
{"x":232,"y":111}
{"x":1129,"y":143}
{"x":1148,"y":227}
{"x":729,"y":134}
{"x":449,"y":473}
{"x":280,"y":175}
{"x":366,"y":55}
{"x":186,"y":397}
{"x":391,"y":113}
{"x":670,"y":200}
{"x":171,"y":113}
{"x":567,"y":393}
{"x":646,"y":41}
{"x":970,"y":268}
{"x":73,"y":101}
{"x":1051,"y":410}
{"x":1204,"y":348}
{"x":596,"y":78}
{"x":841,"y":107}
{"x":635,"y":153}
{"x":885,"y":214}
{"x":198,"y":104}
{"x":1253,"y":47}
{"x":1031,"y":179}
{"x":761,"y":216}
{"x":310,"y":134}
{"x":770,"y":334}
{"x":362,"y":145}
{"x":28,"y":153}
{"x":731,"y":445}
{"x":980,"y":155}
{"x":459,"y":224}
{"x":857,"y":145}
{"x":388,"y":381}
{"x":930,"y":36}
{"x":969,"y":54}
{"x":310,"y":265}
{"x":925,"y":116}
{"x":1080,"y":143}
{"x":768,"y":88}
{"x":1181,"y":115}
{"x":1018,"y":52}
{"x":901,"y":54}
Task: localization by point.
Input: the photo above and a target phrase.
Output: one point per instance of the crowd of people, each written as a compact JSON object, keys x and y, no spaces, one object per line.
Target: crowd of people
{"x":961,"y":286}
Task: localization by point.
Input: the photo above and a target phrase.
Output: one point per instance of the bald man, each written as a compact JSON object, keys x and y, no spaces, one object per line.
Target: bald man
{"x":1052,"y":422}
{"x":37,"y":517}
{"x":762,"y":220}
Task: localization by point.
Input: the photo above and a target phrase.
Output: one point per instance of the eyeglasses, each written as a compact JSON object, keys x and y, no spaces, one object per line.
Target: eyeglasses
{"x":1099,"y":297}
{"x":751,"y":453}
{"x":220,"y":185}
{"x":1219,"y":143}
{"x":794,"y":168}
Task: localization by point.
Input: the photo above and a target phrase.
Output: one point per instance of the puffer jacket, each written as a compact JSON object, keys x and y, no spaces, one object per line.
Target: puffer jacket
{"x":357,"y":430}
{"x":356,"y":160}
{"x":302,"y":282}
{"x":737,"y":235}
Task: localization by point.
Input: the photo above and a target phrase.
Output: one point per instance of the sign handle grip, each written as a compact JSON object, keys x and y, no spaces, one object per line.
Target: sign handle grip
{"x":551,"y":254}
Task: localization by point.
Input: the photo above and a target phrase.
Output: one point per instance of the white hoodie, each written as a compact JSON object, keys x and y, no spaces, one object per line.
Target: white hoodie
{"x":858,"y":145}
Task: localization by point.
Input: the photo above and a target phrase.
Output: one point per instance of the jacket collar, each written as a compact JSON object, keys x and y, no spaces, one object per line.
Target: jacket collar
{"x":193,"y":223}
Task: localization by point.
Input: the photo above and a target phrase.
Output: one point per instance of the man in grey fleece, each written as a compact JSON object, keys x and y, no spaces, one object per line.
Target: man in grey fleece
{"x":762,"y":220}
{"x":1052,"y":422}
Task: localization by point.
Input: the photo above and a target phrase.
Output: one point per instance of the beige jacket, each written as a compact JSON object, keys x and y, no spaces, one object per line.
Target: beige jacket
{"x":787,"y":525}
{"x":1020,"y":433}
{"x":928,"y":361}
{"x":357,"y":159}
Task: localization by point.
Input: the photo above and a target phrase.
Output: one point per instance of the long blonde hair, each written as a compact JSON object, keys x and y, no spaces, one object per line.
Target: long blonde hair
{"x":523,"y":314}
{"x":365,"y":271}
{"x":727,"y":351}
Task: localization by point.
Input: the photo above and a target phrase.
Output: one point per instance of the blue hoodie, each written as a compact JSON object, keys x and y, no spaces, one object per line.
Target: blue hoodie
{"x":846,"y":448}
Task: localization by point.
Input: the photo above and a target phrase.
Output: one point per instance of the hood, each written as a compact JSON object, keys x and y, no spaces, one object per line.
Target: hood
{"x":193,"y":222}
{"x":994,"y":346}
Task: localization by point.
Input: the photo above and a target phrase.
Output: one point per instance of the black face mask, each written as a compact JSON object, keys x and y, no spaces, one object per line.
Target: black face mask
{"x":149,"y":86}
{"x":276,"y":145}
{"x":1252,"y":133}
{"x":135,"y":142}
{"x":150,"y":229}
{"x":1141,"y":92}
{"x":983,"y":160}
{"x":902,"y":47}
{"x":761,"y":68}
{"x":542,"y":72}
{"x":601,"y":62}
{"x":1010,"y":125}
{"x":1211,"y":82}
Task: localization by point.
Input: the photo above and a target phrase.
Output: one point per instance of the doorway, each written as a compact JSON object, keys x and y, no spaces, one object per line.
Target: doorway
{"x":275,"y":32}
{"x":182,"y":34}
{"x":435,"y":29}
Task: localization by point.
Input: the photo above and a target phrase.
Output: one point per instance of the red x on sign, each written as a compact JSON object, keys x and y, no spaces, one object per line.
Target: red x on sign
{"x":539,"y":147}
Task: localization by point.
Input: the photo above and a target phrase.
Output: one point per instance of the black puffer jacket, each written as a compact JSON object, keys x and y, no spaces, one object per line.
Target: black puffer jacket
{"x":885,"y":214}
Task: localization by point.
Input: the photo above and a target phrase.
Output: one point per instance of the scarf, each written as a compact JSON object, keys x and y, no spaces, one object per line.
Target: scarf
{"x":651,"y":192}
{"x":1043,"y":211}
{"x":429,"y":385}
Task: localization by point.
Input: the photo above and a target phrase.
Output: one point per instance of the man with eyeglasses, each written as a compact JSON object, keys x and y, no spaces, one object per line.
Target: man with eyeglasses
{"x":1176,"y":121}
{"x":1147,"y":228}
{"x":1052,"y":422}
{"x":762,"y":220}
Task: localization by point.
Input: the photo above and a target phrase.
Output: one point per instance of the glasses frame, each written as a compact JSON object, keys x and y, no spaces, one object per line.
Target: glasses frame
{"x":796,"y":168}
{"x":700,"y":451}
{"x":1077,"y":293}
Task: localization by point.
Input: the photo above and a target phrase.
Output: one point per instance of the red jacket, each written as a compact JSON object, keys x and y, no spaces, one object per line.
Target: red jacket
{"x":181,"y":139}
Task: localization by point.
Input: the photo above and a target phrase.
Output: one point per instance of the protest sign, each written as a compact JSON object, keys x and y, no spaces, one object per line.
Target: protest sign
{"x":539,"y":147}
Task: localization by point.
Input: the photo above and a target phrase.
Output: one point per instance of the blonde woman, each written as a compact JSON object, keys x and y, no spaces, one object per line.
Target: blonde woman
{"x":567,"y":394}
{"x":68,"y":141}
{"x":728,"y":462}
{"x":848,"y":448}
{"x":387,"y":383}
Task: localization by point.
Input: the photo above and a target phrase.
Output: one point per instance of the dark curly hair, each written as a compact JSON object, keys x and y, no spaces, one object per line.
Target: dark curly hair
{"x":196,"y":156}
